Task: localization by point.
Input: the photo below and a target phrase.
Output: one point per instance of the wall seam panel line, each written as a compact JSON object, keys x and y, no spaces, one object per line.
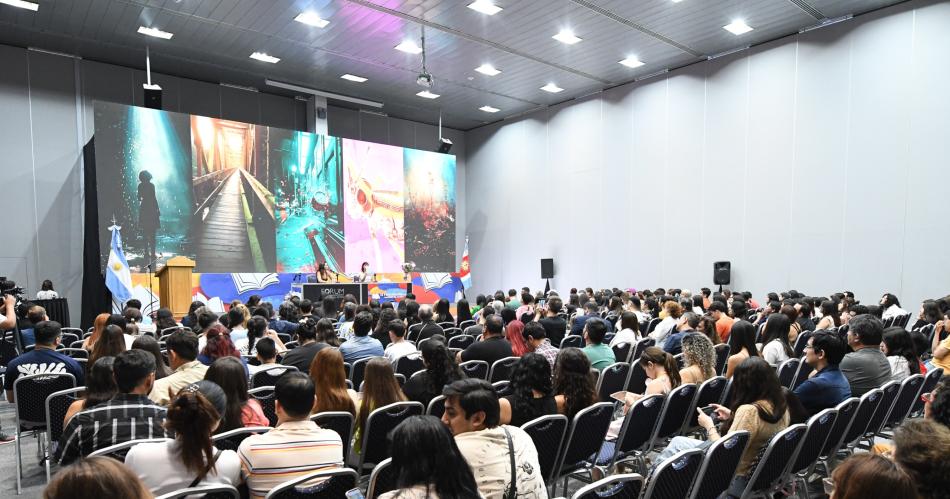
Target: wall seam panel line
{"x":702,"y":183}
{"x":745,"y":156}
{"x":847,"y":159}
{"x":910,"y":128}
{"x":789,"y":263}
{"x":36,"y":220}
{"x":666,"y":171}
{"x":80,"y":119}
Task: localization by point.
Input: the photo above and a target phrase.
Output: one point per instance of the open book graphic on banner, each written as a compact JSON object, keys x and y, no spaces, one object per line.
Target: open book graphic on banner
{"x":435,"y":280}
{"x":250,"y":282}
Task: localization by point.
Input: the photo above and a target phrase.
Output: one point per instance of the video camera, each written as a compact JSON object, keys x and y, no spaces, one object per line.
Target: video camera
{"x":8,"y":287}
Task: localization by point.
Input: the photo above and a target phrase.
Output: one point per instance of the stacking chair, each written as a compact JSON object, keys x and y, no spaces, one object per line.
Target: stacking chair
{"x":719,"y":465}
{"x":772,"y":467}
{"x":269,"y":376}
{"x":205,"y":491}
{"x":334,"y":485}
{"x":787,"y":371}
{"x":847,"y":410}
{"x":408,"y":365}
{"x":680,"y":360}
{"x":572,"y":340}
{"x":637,"y":381}
{"x":673,"y":478}
{"x":375,"y":444}
{"x":803,"y":371}
{"x":652,"y":325}
{"x":76,"y":353}
{"x":475,"y":369}
{"x":502,"y":388}
{"x":636,"y":436}
{"x":622,"y":351}
{"x":930,"y":382}
{"x":626,"y":486}
{"x":231,"y":440}
{"x":358,"y":370}
{"x":465,"y":324}
{"x":339,"y":421}
{"x":890,"y":391}
{"x":910,"y":391}
{"x":869,"y":403}
{"x":710,"y":392}
{"x":640,"y":346}
{"x":819,"y":429}
{"x":118,"y":451}
{"x":436,"y":406}
{"x":583,"y":440}
{"x":57,"y":404}
{"x":30,"y":393}
{"x":612,"y":379}
{"x":382,"y":479}
{"x":501,"y":369}
{"x":266,"y":397}
{"x":680,"y":402}
{"x":800,"y":342}
{"x":462,"y":341}
{"x":70,"y":335}
{"x":547,"y":433}
{"x":722,"y":357}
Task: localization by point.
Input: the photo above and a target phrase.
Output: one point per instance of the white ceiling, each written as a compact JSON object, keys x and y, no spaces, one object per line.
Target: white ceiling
{"x":213,"y":39}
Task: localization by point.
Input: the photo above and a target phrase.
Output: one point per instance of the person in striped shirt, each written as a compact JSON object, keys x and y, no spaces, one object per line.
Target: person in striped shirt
{"x":296,"y":447}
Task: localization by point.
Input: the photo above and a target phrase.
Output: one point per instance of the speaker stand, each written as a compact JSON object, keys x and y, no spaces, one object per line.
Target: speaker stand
{"x":547,"y":287}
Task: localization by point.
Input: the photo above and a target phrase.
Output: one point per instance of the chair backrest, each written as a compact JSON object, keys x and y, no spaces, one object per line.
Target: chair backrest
{"x":776,"y":460}
{"x":722,"y":357}
{"x":465,"y":324}
{"x":626,"y":486}
{"x":890,"y":391}
{"x":640,"y":346}
{"x":787,"y":371}
{"x":727,"y":394}
{"x":501,"y":369}
{"x":502,"y":388}
{"x":169,"y":330}
{"x":679,"y":403}
{"x":452,"y":331}
{"x":636,"y":433}
{"x":803,"y":371}
{"x":266,"y":396}
{"x":436,"y":406}
{"x":910,"y":389}
{"x":269,"y":376}
{"x":847,"y":409}
{"x":378,"y":425}
{"x":652,"y":325}
{"x":572,"y":340}
{"x":475,"y":369}
{"x":869,"y":403}
{"x":70,"y":335}
{"x":76,"y":344}
{"x":119,"y":450}
{"x":719,"y":465}
{"x":800,"y":342}
{"x":358,"y":370}
{"x":680,"y":360}
{"x":382,"y":479}
{"x":205,"y":491}
{"x":57,"y":404}
{"x":547,"y":433}
{"x":612,"y":379}
{"x":334,"y":485}
{"x":30,"y":393}
{"x":462,"y":341}
{"x":930,"y":382}
{"x":407,"y":365}
{"x":819,"y":428}
{"x":710,"y":392}
{"x":673,"y":478}
{"x":585,"y":436}
{"x":231,"y":440}
{"x":637,"y":381}
{"x":339,"y":421}
{"x":622,"y":351}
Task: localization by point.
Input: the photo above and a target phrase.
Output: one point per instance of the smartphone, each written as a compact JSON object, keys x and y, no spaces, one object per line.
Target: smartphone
{"x":354,"y":494}
{"x":709,"y":410}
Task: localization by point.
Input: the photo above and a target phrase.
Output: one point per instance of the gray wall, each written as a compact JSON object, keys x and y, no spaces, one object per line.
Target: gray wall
{"x":818,"y":162}
{"x":46,"y":117}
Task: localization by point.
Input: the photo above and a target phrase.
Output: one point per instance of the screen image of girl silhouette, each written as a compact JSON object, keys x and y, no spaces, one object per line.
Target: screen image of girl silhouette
{"x":148,"y":214}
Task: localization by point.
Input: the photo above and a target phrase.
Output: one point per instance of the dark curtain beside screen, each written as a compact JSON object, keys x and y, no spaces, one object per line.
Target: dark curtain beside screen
{"x":95,"y":296}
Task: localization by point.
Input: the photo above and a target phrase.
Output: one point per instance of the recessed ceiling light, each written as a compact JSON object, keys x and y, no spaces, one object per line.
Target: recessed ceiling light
{"x":632,"y":62}
{"x":311,"y":19}
{"x":485,"y":7}
{"x":567,"y":36}
{"x":677,"y":1}
{"x":737,"y":27}
{"x":260,"y":56}
{"x":357,"y":79}
{"x":428,"y":95}
{"x":550,"y":87}
{"x":27,"y":5}
{"x":157,"y":33}
{"x":409,"y":47}
{"x":489,"y":109}
{"x":487,"y":69}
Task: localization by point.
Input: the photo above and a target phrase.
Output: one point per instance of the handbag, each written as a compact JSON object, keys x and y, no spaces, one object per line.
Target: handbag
{"x":197,"y":479}
{"x":512,"y":491}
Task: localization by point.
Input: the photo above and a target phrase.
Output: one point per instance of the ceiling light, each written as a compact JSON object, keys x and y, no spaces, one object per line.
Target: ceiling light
{"x":409,"y":47}
{"x":260,"y":56}
{"x":487,"y":69}
{"x":632,"y":62}
{"x":27,"y":5}
{"x":737,"y":27}
{"x":677,"y":1}
{"x":567,"y":36}
{"x":550,"y":87}
{"x":489,"y":109}
{"x":357,"y":79}
{"x":485,"y":7}
{"x":311,"y":19}
{"x":157,"y":33}
{"x":428,"y":95}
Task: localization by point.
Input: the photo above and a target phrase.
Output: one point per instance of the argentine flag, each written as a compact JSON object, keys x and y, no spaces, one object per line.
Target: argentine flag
{"x":118,"y":278}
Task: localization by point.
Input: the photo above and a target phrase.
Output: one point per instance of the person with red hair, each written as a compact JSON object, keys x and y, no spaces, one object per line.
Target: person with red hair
{"x":218,"y":344}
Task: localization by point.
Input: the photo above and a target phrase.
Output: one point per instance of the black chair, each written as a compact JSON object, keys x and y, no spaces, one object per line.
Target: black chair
{"x":869,"y":403}
{"x":640,"y":346}
{"x":358,"y":370}
{"x":464,"y":324}
{"x":70,"y":335}
{"x":291,"y":345}
{"x":846,"y":413}
{"x":890,"y":391}
{"x":710,"y":392}
{"x":910,"y":391}
{"x":583,"y":440}
{"x":652,"y":325}
{"x":336,"y":483}
{"x":169,"y":330}
{"x":436,"y":406}
{"x":375,"y":444}
{"x":382,"y":479}
{"x":57,"y":404}
{"x":930,"y":382}
{"x":787,"y":370}
{"x":803,"y":371}
{"x":773,"y":465}
{"x":118,"y":451}
{"x":76,"y":353}
{"x":205,"y":491}
{"x":637,"y":381}
{"x":612,"y":379}
{"x":622,"y":351}
{"x":572,"y":340}
{"x":727,"y":394}
{"x":719,"y":465}
{"x":76,"y":344}
{"x":414,"y":331}
{"x":30,"y":393}
{"x":627,"y":486}
{"x":231,"y":440}
{"x":269,"y":376}
{"x":608,"y":338}
{"x":680,"y":361}
{"x":673,"y":478}
{"x":680,"y":402}
{"x":339,"y":421}
{"x":501,"y":369}
{"x":462,"y":341}
{"x":635,"y":439}
{"x":722,"y":357}
{"x":408,"y":365}
{"x":475,"y":369}
{"x":266,"y":397}
{"x":819,"y":428}
{"x":800,"y":342}
{"x":547,"y":433}
{"x":502,"y":388}
{"x":452,"y":331}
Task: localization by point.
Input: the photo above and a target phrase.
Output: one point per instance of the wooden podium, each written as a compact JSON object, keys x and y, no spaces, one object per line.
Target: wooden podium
{"x":174,"y":285}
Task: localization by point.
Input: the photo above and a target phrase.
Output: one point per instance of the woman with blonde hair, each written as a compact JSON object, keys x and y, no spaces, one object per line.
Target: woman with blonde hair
{"x":699,"y":358}
{"x":329,"y":381}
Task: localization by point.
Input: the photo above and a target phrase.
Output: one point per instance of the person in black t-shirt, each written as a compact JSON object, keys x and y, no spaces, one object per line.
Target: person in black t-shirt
{"x":493,"y":346}
{"x":303,"y":355}
{"x":554,"y":326}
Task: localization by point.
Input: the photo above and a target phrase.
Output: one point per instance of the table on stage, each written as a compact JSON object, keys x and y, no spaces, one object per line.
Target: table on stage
{"x":316,"y":292}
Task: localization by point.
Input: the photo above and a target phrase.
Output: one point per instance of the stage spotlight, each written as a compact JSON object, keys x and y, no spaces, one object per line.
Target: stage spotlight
{"x":444,"y":145}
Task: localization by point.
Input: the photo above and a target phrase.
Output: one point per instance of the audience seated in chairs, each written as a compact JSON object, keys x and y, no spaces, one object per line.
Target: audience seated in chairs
{"x":864,"y":475}
{"x":42,"y":358}
{"x":110,"y":344}
{"x":182,"y":354}
{"x":361,"y":345}
{"x":830,"y":318}
{"x":662,"y":374}
{"x":441,"y":369}
{"x":256,"y":331}
{"x":380,"y":389}
{"x":775,"y":347}
{"x":242,"y":410}
{"x":513,"y":330}
{"x":308,"y":344}
{"x":381,"y":331}
{"x":599,"y":354}
{"x":921,"y":449}
{"x":463,"y":313}
{"x":758,"y":406}
{"x":190,"y":460}
{"x":471,"y":412}
{"x":150,"y":345}
{"x":827,"y":387}
{"x":742,"y":342}
{"x":218,"y":346}
{"x":442,"y":313}
{"x":397,"y":345}
{"x":97,"y":327}
{"x":899,"y":350}
{"x":532,"y":395}
{"x":296,"y":447}
{"x":687,"y":324}
{"x":554,"y":325}
{"x":100,"y":387}
{"x":629,"y":325}
{"x":493,"y":346}
{"x":428,"y":463}
{"x":574,"y":388}
{"x":699,"y":356}
{"x":96,"y":477}
{"x":329,"y":380}
{"x":866,"y":367}
{"x":266,"y":354}
{"x":429,"y":327}
{"x":536,"y":341}
{"x":128,"y":415}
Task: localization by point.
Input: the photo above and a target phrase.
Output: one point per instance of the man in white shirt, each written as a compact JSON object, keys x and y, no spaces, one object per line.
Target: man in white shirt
{"x":398,"y":347}
{"x":472,"y":413}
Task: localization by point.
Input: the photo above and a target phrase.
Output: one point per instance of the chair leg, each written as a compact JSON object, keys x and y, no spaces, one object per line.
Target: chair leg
{"x":19,"y":464}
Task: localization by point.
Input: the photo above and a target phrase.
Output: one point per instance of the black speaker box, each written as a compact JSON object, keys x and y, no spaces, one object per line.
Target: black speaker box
{"x":153,"y":99}
{"x":547,"y":268}
{"x":722,"y":273}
